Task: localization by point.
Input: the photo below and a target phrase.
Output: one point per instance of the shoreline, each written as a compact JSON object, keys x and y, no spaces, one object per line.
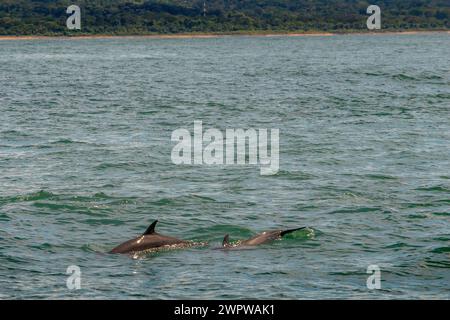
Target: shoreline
{"x":220,"y":35}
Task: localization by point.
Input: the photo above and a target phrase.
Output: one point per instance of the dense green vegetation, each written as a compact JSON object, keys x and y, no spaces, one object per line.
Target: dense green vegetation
{"x":48,"y":17}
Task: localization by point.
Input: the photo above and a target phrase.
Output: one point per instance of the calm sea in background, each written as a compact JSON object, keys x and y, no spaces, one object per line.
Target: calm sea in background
{"x":85,"y":164}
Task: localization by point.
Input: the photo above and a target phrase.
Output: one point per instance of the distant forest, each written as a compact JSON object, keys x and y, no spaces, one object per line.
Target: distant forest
{"x":134,"y":17}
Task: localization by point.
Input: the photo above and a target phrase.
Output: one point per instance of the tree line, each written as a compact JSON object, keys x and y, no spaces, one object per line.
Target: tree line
{"x":137,"y":17}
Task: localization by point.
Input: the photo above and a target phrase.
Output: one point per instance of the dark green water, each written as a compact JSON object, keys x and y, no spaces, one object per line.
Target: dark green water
{"x":364,"y":163}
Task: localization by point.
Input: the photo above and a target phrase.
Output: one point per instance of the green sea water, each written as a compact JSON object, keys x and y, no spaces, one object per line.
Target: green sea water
{"x":85,"y":164}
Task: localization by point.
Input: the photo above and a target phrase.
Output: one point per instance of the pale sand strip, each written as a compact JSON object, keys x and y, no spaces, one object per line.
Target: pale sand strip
{"x":212,"y":35}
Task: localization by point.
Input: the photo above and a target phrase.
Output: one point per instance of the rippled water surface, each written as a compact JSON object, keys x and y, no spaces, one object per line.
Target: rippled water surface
{"x":364,"y":150}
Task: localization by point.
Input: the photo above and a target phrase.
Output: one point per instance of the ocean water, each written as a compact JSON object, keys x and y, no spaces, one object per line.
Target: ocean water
{"x":85,"y":146}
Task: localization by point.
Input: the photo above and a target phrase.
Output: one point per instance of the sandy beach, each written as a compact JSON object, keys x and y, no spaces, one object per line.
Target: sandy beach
{"x":218,"y":35}
{"x":164,"y":36}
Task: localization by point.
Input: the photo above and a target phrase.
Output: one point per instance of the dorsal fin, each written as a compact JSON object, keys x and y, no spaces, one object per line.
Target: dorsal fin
{"x":151,"y":229}
{"x":226,"y":240}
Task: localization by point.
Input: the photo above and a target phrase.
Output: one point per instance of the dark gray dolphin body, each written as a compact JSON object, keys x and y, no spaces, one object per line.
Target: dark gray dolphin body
{"x":265,"y":237}
{"x":151,"y":241}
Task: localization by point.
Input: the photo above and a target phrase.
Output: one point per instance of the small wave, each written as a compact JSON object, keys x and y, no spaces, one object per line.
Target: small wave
{"x":381,"y":177}
{"x":64,"y":141}
{"x":347,"y":273}
{"x":403,"y":77}
{"x":294,"y":175}
{"x":93,"y":248}
{"x":117,"y":165}
{"x":148,"y":112}
{"x":103,"y":221}
{"x":98,"y":204}
{"x":52,"y":144}
{"x":15,"y":133}
{"x":307,"y":233}
{"x":438,"y":263}
{"x":441,"y":250}
{"x":442,"y":214}
{"x":356,"y":210}
{"x":442,"y":96}
{"x":56,"y":206}
{"x":372,"y":74}
{"x":431,"y":77}
{"x":417,"y":216}
{"x":203,"y":198}
{"x":400,"y":245}
{"x":413,"y":205}
{"x":101,"y":195}
{"x":438,"y":188}
{"x":419,"y":77}
{"x":441,"y":239}
{"x":47,"y":247}
{"x":40,"y":195}
{"x":189,"y":199}
{"x":129,"y":165}
{"x":68,"y":141}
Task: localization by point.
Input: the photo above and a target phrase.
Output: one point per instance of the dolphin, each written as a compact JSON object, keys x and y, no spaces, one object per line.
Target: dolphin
{"x":265,"y":237}
{"x":152,"y":241}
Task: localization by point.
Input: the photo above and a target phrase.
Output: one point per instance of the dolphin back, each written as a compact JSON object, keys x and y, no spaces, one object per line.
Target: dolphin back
{"x":148,"y":240}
